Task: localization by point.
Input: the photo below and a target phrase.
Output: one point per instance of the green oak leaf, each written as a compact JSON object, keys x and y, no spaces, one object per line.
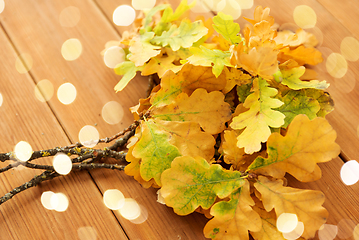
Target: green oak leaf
{"x":295,"y":103}
{"x":193,"y":182}
{"x":154,"y":150}
{"x":290,"y":77}
{"x":225,"y":26}
{"x":325,"y":101}
{"x":128,"y":70}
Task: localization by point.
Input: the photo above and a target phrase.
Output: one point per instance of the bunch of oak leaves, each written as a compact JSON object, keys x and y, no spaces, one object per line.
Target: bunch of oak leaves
{"x":233,"y":113}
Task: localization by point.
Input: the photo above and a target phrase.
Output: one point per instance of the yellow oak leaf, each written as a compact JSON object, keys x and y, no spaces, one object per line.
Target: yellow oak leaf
{"x":306,"y":143}
{"x":231,"y":153}
{"x":142,"y":50}
{"x":160,"y":65}
{"x":208,"y":109}
{"x":301,"y":55}
{"x":186,"y":81}
{"x":261,"y":14}
{"x":193,"y":182}
{"x":306,"y":204}
{"x":258,"y":118}
{"x":261,"y":34}
{"x":189,"y":138}
{"x":235,"y":77}
{"x":233,"y":219}
{"x":260,"y":61}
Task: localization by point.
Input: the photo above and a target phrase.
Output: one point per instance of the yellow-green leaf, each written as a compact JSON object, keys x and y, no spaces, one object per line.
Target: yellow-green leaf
{"x":306,"y":204}
{"x":233,"y":219}
{"x":155,"y":151}
{"x":215,"y":58}
{"x":183,"y":36}
{"x":324,"y":99}
{"x":225,"y":26}
{"x":192,"y":182}
{"x":259,"y":117}
{"x":306,"y":143}
{"x":128,"y":70}
{"x":208,"y":109}
{"x":142,"y":50}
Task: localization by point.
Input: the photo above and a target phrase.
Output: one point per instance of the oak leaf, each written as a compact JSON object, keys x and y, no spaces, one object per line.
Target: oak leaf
{"x":215,"y":58}
{"x":142,"y":50}
{"x":306,"y":143}
{"x":128,"y":70}
{"x":233,"y":219}
{"x":235,"y":77}
{"x":301,"y":55}
{"x":154,"y":150}
{"x":225,"y":26}
{"x":324,"y":99}
{"x":160,"y":65}
{"x":208,"y":109}
{"x":231,"y":153}
{"x":306,"y":204}
{"x":186,"y":81}
{"x":261,"y":14}
{"x":183,"y":36}
{"x":259,"y":117}
{"x":193,"y":182}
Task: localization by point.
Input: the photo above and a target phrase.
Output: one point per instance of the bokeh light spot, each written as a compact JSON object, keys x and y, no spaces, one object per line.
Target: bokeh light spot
{"x":327,"y":232}
{"x":304,"y":16}
{"x":245,"y":4}
{"x":62,"y":164}
{"x":230,"y":7}
{"x":130,"y":210}
{"x":124,"y":15}
{"x":44,"y":90}
{"x":346,"y":228}
{"x":202,"y":6}
{"x":59,"y":202}
{"x":46,"y":199}
{"x":349,"y":173}
{"x":69,"y":16}
{"x":23,"y":151}
{"x":345,"y":84}
{"x":143,"y":4}
{"x":356,"y":232}
{"x":114,"y":56}
{"x":2,"y":5}
{"x":349,"y":48}
{"x":89,"y":136}
{"x":66,"y":93}
{"x":23,"y":63}
{"x":287,"y":222}
{"x":112,"y":112}
{"x":336,"y":65}
{"x":296,"y":233}
{"x":87,"y":233}
{"x":71,"y":49}
{"x":143,"y":216}
{"x":113,"y":199}
{"x":1,"y":99}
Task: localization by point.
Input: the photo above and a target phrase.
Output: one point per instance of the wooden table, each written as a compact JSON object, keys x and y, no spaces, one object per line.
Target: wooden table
{"x":33,"y":27}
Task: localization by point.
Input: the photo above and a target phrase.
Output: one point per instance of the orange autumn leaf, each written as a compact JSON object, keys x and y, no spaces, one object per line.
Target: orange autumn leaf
{"x":301,"y":55}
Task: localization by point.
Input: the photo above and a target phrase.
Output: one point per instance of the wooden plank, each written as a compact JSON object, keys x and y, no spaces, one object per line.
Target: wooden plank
{"x":24,"y":118}
{"x":94,"y":83}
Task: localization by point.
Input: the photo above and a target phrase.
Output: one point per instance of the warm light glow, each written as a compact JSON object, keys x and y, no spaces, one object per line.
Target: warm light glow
{"x":23,"y":151}
{"x":356,"y":232}
{"x":287,"y":222}
{"x":71,"y":49}
{"x":89,"y":136}
{"x":23,"y":63}
{"x":87,"y":233}
{"x":143,"y":216}
{"x":345,"y":84}
{"x":114,"y":56}
{"x":1,"y":99}
{"x":143,"y":4}
{"x":346,"y":228}
{"x":202,"y":6}
{"x":130,"y":210}
{"x":69,"y":16}
{"x":304,"y":16}
{"x":59,"y":202}
{"x":66,"y":93}
{"x":46,"y":199}
{"x":230,"y":7}
{"x":2,"y":5}
{"x":349,"y":48}
{"x":112,"y":112}
{"x":113,"y":199}
{"x":336,"y":65}
{"x":349,"y":173}
{"x":44,"y":90}
{"x":245,"y":4}
{"x":62,"y":164}
{"x":124,"y":15}
{"x":327,"y":232}
{"x":296,"y":233}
